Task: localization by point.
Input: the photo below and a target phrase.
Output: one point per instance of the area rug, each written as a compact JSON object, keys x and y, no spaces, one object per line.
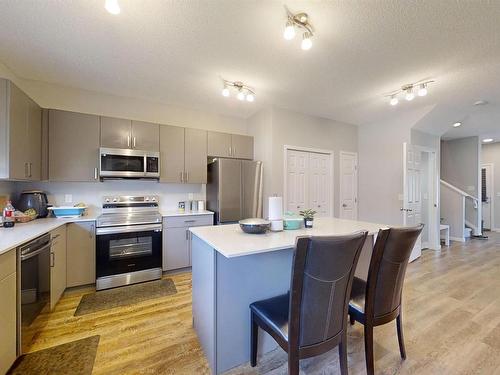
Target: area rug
{"x":124,"y":296}
{"x":75,"y":358}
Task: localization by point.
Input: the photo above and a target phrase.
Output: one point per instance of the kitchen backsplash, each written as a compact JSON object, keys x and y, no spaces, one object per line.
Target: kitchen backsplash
{"x":59,"y":193}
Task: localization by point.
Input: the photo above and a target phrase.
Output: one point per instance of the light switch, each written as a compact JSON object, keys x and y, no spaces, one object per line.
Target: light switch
{"x":68,"y":198}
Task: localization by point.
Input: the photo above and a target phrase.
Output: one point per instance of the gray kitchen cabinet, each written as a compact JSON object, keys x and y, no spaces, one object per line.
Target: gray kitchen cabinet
{"x":80,"y":260}
{"x":73,"y":146}
{"x":229,"y":145}
{"x":171,"y":153}
{"x":219,"y":144}
{"x":115,"y":132}
{"x":8,"y":314}
{"x":20,"y":134}
{"x":242,"y":146}
{"x":145,"y":136}
{"x":57,"y":265}
{"x":177,"y":239}
{"x":195,"y":156}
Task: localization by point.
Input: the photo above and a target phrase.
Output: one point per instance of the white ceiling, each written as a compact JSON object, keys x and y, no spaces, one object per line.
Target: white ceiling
{"x":175,"y":52}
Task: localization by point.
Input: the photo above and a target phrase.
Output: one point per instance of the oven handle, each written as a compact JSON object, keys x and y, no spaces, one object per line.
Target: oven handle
{"x":129,"y":229}
{"x":36,"y":252}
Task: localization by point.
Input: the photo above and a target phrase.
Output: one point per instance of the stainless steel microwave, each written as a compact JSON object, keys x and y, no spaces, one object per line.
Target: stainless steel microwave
{"x":125,"y":163}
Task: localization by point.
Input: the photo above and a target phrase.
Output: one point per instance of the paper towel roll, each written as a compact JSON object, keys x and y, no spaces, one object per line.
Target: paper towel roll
{"x":275,"y":208}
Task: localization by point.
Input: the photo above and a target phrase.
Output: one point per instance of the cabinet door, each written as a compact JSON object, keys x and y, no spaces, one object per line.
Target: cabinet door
{"x":145,"y":136}
{"x":171,"y":153}
{"x":57,"y":265}
{"x":73,"y":146}
{"x":242,"y":146}
{"x":115,"y":132}
{"x":80,"y":254}
{"x":34,"y":141}
{"x":175,"y":248}
{"x":18,"y":134}
{"x":8,"y":318}
{"x":219,"y":144}
{"x":195,"y":156}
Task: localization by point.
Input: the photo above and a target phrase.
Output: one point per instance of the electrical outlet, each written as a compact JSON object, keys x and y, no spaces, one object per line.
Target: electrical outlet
{"x":68,"y":198}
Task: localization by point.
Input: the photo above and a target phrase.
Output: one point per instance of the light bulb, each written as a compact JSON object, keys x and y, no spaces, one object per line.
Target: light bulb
{"x":422,"y":91}
{"x":225,"y":91}
{"x":112,"y":6}
{"x":250,"y":97}
{"x":306,"y":41}
{"x":241,"y":95}
{"x":488,"y":140}
{"x":409,"y":95}
{"x":394,"y":100}
{"x":289,"y":32}
{"x":457,"y":124}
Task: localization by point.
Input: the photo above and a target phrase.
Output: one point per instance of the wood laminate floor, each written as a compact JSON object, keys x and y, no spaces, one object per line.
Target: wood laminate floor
{"x":451,"y":320}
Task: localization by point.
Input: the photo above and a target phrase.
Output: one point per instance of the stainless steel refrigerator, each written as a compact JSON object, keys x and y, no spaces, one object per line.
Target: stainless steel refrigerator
{"x":234,"y":189}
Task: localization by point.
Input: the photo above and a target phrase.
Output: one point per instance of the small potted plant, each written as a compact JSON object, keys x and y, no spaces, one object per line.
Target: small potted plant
{"x":308,"y":217}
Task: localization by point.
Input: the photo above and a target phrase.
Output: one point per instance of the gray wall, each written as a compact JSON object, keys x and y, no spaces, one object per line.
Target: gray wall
{"x":459,"y":163}
{"x":491,"y":154}
{"x":275,"y":127}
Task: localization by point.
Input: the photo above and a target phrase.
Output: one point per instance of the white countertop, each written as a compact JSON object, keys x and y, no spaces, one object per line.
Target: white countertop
{"x":186,"y":213}
{"x":10,"y":238}
{"x":231,"y":241}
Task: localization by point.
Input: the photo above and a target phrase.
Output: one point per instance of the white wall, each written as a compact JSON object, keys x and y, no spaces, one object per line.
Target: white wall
{"x":491,"y":154}
{"x":381,"y":166}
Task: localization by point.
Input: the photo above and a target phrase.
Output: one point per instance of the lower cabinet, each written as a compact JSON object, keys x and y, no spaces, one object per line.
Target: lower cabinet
{"x":176,"y":239}
{"x":57,"y":265}
{"x":80,"y":254}
{"x":8,"y":316}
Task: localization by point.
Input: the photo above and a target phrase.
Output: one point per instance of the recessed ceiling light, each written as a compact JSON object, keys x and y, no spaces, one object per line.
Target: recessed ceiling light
{"x":112,"y":6}
{"x":488,"y":140}
{"x":481,"y":102}
{"x":457,"y":124}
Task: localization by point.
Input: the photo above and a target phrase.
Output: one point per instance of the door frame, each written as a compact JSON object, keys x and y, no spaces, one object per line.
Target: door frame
{"x":492,"y":197}
{"x":433,"y":188}
{"x":340,"y":179}
{"x":287,"y":148}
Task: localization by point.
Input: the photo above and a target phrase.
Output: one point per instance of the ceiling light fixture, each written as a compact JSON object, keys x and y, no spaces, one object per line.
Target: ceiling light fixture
{"x":242,"y":91}
{"x":300,"y":21}
{"x":407,"y":91}
{"x":112,"y":6}
{"x":457,"y":124}
{"x":488,"y":140}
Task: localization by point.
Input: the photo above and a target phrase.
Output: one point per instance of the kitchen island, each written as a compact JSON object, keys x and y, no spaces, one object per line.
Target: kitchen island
{"x":231,"y":269}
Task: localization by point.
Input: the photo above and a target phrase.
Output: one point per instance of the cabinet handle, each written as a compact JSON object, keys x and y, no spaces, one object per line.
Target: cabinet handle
{"x":128,"y":141}
{"x":95,"y":174}
{"x":26,"y":170}
{"x":92,"y":229}
{"x":234,"y":151}
{"x":55,"y":236}
{"x":52,"y":259}
{"x":182,"y":177}
{"x":187,"y":234}
{"x":29,"y":169}
{"x":133,"y":143}
{"x":189,"y":221}
{"x":229,"y":151}
{"x":187,"y":176}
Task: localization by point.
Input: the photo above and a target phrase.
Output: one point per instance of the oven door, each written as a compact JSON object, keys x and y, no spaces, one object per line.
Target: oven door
{"x":125,"y":249}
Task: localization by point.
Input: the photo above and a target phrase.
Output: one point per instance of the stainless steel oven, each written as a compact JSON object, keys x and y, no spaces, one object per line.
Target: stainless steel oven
{"x":125,"y":163}
{"x":128,"y":241}
{"x":33,"y":287}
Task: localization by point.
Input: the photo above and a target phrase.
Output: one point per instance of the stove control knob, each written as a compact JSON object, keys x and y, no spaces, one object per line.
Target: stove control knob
{"x":147,"y":199}
{"x":115,"y":200}
{"x":107,"y":200}
{"x":153,"y":199}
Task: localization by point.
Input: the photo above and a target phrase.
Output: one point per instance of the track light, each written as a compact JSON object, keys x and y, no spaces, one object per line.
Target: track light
{"x":242,"y":91}
{"x":300,"y":21}
{"x":409,"y":94}
{"x":394,"y":100}
{"x":112,"y":6}
{"x":457,"y":124}
{"x":422,"y":91}
{"x":488,"y":140}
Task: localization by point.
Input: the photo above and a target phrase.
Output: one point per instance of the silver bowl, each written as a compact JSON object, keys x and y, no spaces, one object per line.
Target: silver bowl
{"x":255,"y":225}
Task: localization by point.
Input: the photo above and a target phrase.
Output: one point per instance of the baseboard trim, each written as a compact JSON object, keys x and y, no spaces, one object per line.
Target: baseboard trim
{"x":458,"y":239}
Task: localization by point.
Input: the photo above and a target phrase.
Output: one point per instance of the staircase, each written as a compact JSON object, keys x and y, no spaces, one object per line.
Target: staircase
{"x":460,"y":211}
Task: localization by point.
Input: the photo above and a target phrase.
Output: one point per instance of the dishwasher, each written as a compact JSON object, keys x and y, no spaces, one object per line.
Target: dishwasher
{"x":33,"y":287}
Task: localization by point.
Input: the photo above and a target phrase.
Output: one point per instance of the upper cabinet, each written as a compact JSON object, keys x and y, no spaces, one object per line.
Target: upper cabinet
{"x":20,"y":134}
{"x":230,"y":145}
{"x":73,"y":146}
{"x":122,"y":133}
{"x":183,"y":153}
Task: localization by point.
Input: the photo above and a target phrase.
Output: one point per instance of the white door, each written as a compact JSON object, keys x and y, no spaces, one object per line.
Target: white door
{"x":412,"y":195}
{"x":348,"y":185}
{"x":487,"y":194}
{"x":297,"y":183}
{"x":319,"y":183}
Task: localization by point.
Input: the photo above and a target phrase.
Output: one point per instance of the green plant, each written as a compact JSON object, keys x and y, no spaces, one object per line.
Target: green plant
{"x":308,"y":214}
